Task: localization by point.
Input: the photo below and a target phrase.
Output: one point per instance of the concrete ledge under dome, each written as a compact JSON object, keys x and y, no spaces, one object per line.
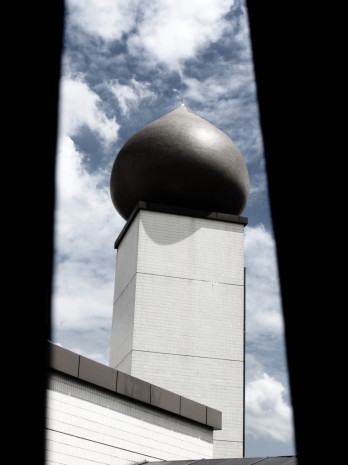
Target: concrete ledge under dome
{"x":141,"y":205}
{"x":87,"y":370}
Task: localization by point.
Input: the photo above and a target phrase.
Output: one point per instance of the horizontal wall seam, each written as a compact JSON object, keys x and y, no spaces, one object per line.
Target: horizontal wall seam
{"x":189,"y":279}
{"x":174,"y":277}
{"x":103,"y":443}
{"x":188,"y":355}
{"x":227,"y":440}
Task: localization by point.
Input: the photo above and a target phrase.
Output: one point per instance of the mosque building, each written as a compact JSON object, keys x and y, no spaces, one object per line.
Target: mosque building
{"x":174,"y":387}
{"x":179,"y":291}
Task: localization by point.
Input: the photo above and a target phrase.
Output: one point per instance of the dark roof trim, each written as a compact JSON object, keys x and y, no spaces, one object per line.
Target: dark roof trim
{"x":178,"y":211}
{"x":280,"y":460}
{"x":95,"y":373}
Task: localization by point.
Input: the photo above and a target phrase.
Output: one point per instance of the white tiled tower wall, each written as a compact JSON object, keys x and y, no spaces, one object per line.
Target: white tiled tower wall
{"x":178,"y":317}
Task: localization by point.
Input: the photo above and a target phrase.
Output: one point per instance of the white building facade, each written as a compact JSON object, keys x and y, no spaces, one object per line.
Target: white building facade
{"x":98,"y":415}
{"x":174,"y":387}
{"x":179,"y":310}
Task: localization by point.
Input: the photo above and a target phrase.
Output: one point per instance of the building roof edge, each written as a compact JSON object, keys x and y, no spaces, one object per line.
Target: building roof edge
{"x":119,"y":383}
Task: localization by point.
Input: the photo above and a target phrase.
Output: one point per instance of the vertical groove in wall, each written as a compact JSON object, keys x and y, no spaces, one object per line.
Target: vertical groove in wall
{"x":244,"y":304}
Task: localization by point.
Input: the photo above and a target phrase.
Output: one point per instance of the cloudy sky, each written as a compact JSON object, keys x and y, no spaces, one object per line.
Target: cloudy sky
{"x":124,"y":64}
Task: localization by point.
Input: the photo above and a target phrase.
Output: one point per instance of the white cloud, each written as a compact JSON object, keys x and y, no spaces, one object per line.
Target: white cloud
{"x":168,"y":31}
{"x":80,"y":106}
{"x":263,"y":301}
{"x":86,"y":225}
{"x":254,"y":369}
{"x":173,"y":31}
{"x":129,"y":96}
{"x":108,"y":19}
{"x":258,"y":185}
{"x":226,"y":80}
{"x":210,"y":90}
{"x":267,"y":414}
{"x":227,"y":98}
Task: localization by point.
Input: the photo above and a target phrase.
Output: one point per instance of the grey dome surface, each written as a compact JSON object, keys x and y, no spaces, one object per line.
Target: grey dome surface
{"x":182,"y":160}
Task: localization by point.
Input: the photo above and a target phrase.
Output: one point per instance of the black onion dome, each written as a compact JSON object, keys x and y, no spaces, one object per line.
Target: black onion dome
{"x":182,"y":160}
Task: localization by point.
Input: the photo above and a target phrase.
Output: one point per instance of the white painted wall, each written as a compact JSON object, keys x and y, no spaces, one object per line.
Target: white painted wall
{"x":186,"y":308}
{"x":85,"y":423}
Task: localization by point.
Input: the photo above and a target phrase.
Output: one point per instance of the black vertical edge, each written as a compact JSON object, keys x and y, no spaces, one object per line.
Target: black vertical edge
{"x":116,"y":380}
{"x":78,"y":369}
{"x":285,"y":93}
{"x":31,"y":108}
{"x":244,"y":305}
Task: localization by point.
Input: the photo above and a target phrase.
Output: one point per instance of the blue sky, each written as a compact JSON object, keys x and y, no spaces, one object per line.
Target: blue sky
{"x":124,"y":64}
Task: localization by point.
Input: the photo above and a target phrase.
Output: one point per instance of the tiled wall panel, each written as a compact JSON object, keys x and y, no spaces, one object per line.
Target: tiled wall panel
{"x":87,"y":423}
{"x":188,"y":315}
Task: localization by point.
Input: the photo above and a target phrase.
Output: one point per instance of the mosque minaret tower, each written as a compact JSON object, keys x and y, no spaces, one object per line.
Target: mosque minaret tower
{"x":181,"y":184}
